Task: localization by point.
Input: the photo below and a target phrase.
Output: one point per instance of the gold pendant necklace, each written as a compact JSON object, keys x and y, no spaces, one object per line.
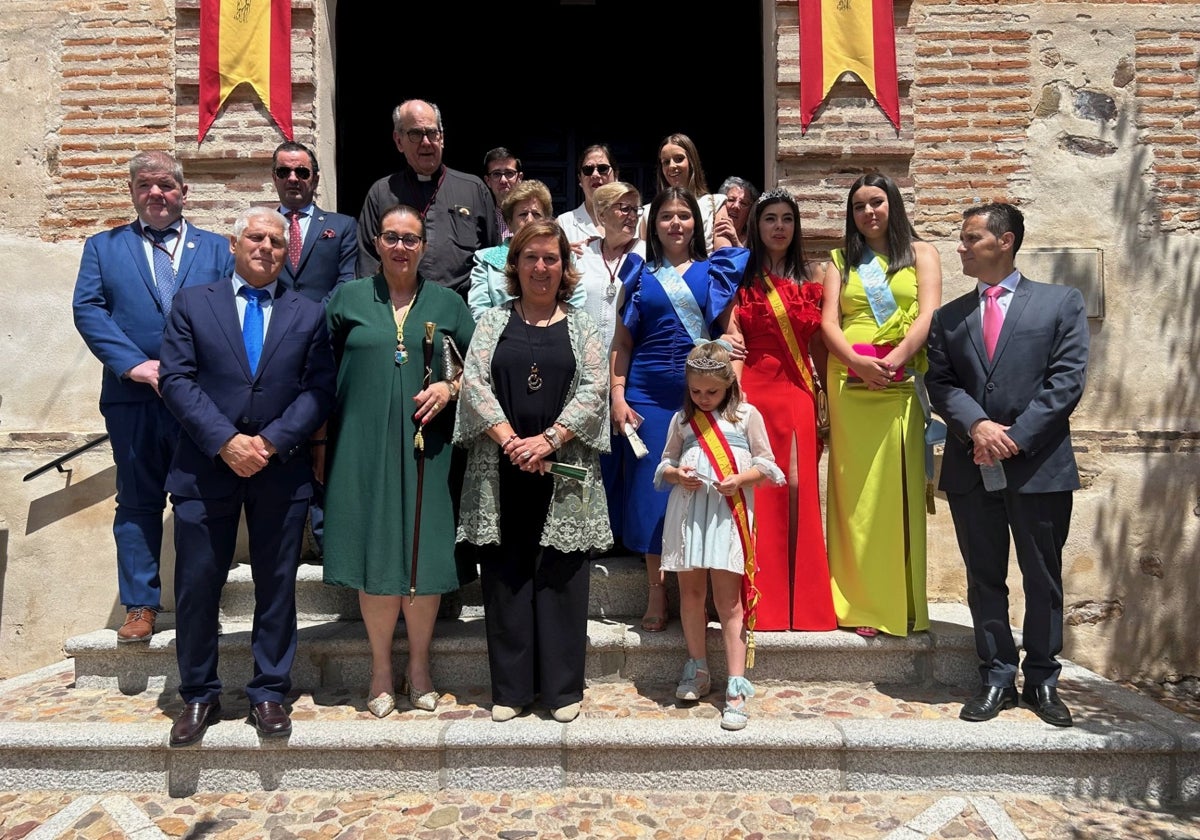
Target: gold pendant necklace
{"x":534,"y":381}
{"x":401,"y":351}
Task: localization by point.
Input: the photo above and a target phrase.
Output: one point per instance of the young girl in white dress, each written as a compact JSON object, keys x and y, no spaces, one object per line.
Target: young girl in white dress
{"x":717,"y":450}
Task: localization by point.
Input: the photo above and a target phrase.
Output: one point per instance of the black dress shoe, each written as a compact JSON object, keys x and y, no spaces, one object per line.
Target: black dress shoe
{"x":271,"y":719}
{"x":189,"y":727}
{"x":990,"y":701}
{"x":1043,"y":699}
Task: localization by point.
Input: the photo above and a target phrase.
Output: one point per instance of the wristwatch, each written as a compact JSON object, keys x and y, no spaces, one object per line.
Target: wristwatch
{"x":553,"y":437}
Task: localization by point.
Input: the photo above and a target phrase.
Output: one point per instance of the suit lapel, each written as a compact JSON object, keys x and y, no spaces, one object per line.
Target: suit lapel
{"x":283,"y":312}
{"x":189,"y":245}
{"x":137,"y":254}
{"x":975,"y":327}
{"x":1015,"y":309}
{"x":225,"y":314}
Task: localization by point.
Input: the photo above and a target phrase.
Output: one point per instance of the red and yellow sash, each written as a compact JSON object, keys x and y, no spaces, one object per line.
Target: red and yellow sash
{"x":789,"y":336}
{"x":724,"y":463}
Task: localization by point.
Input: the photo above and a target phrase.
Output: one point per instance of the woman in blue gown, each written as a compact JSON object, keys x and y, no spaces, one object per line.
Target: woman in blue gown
{"x":675,"y":299}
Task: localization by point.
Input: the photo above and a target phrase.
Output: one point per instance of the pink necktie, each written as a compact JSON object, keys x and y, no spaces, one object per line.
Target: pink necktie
{"x":993,"y":319}
{"x":295,"y":239}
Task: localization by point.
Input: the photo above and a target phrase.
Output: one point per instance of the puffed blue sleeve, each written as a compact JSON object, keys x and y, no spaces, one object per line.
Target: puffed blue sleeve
{"x":631,"y":282}
{"x":726,"y":267}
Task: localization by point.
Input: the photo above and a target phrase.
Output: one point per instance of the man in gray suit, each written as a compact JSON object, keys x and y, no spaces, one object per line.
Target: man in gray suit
{"x":1007,"y":363}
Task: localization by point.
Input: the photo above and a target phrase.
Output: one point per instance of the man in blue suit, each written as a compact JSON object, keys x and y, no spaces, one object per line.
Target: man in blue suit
{"x":127,"y":281}
{"x":322,"y":250}
{"x":1007,"y":364}
{"x":248,"y":371}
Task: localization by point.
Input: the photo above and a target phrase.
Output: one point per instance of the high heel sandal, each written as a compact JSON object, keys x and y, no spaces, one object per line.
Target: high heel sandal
{"x":657,"y":623}
{"x":426,"y":701}
{"x":382,"y":704}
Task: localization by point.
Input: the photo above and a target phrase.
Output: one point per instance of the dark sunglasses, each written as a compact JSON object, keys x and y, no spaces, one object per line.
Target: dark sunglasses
{"x":588,"y":168}
{"x":302,"y":172}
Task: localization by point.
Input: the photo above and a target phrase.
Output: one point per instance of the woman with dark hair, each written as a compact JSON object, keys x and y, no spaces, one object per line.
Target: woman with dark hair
{"x":679,"y":166}
{"x":672,"y":301}
{"x":377,"y":326}
{"x":778,"y":318}
{"x":881,"y":289}
{"x":596,"y":168}
{"x":535,"y":397}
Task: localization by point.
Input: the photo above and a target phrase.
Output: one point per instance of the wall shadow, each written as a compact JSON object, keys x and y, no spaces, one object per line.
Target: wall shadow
{"x":1147,"y":525}
{"x":58,"y":505}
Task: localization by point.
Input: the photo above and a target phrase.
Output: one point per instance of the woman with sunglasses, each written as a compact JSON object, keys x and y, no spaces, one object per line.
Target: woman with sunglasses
{"x":378,"y":326}
{"x":595,"y":170}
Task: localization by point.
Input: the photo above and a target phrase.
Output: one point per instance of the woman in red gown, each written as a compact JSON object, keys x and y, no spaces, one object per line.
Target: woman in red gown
{"x":777,"y":316}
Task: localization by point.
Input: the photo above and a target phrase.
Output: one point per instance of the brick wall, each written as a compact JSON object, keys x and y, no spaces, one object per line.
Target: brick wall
{"x":1168,"y":119}
{"x":130,"y":83}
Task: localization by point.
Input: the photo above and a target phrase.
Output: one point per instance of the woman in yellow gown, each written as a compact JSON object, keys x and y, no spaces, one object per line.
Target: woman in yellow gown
{"x":881,"y":289}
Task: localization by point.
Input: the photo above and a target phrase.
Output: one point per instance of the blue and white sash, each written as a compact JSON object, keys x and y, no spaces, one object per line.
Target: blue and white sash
{"x":686,"y":308}
{"x":875,"y":284}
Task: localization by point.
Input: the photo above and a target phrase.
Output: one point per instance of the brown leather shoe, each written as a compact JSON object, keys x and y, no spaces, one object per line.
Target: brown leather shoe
{"x":190,"y":726}
{"x":271,"y":719}
{"x":138,"y":626}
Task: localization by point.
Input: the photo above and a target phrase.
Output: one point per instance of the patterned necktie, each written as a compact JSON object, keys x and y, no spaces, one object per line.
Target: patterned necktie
{"x":164,"y":266}
{"x":252,"y":324}
{"x":993,"y":319}
{"x":295,"y":239}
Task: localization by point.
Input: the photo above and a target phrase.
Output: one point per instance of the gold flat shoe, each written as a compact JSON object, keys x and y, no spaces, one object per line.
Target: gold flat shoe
{"x":383,"y":705}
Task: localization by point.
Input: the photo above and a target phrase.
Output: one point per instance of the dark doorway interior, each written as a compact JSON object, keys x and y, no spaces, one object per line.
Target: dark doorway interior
{"x":548,"y":79}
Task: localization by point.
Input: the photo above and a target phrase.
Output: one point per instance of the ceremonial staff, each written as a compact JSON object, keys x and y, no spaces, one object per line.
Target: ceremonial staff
{"x":419,"y":452}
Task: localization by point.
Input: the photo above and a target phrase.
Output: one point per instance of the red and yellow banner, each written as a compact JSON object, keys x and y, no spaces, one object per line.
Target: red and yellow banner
{"x":246,"y":41}
{"x":724,"y":464}
{"x":858,"y":36}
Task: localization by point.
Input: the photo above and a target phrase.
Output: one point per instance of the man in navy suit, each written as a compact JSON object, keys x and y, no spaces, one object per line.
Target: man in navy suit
{"x":248,"y":371}
{"x":322,"y":250}
{"x":328,"y":242}
{"x":127,"y":281}
{"x":1007,"y":364}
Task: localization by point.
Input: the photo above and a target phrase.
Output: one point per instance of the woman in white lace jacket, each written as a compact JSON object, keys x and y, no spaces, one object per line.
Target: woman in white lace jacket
{"x":535,"y":393}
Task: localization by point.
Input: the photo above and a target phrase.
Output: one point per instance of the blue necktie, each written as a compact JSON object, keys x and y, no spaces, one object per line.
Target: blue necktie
{"x":164,"y":266}
{"x":252,"y":323}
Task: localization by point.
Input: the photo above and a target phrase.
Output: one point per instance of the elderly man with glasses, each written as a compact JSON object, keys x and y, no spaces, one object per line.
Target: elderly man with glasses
{"x":457,"y":208}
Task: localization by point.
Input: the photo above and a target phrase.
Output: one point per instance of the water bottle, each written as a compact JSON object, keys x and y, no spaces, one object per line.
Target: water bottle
{"x":993,"y":477}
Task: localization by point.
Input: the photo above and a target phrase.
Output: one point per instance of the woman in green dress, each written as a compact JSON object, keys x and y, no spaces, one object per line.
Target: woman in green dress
{"x":377,"y":325}
{"x":879,"y":296}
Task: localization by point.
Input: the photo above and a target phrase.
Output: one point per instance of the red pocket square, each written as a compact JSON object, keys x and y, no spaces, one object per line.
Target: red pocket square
{"x":328,"y":233}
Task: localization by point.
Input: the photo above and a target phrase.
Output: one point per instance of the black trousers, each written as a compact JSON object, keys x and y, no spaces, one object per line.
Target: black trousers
{"x":535,"y":602}
{"x":1038,"y":523}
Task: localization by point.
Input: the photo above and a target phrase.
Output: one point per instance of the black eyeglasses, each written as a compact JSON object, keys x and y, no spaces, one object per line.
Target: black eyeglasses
{"x":416,"y":135}
{"x":506,"y":174}
{"x":409,"y":240}
{"x":627,"y":209}
{"x":302,"y":172}
{"x":588,"y":168}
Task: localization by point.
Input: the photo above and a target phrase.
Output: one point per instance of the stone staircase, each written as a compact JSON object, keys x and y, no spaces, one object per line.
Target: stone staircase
{"x":834,"y":712}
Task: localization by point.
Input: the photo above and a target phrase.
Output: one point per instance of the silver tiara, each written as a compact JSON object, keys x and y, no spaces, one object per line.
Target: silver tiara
{"x":775,"y":195}
{"x":706,"y":364}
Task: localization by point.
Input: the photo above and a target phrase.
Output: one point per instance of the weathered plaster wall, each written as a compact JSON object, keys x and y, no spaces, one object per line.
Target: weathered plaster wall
{"x":1087,"y":114}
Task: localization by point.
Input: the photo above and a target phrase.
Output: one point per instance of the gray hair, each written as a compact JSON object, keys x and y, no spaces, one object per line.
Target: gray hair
{"x":741,"y":183}
{"x":155,"y":162}
{"x":606,"y":195}
{"x":398,"y":113}
{"x":269,"y":213}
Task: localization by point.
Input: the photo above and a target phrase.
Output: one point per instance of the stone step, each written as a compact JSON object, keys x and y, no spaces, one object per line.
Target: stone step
{"x":335,"y":654}
{"x":618,"y":589}
{"x":803,"y":737}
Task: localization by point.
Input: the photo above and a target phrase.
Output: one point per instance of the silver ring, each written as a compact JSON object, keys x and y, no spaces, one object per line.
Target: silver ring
{"x":527,"y":455}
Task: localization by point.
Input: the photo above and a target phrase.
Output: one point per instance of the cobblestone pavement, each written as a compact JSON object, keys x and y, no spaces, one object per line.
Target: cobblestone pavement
{"x":574,"y":814}
{"x":580,"y":813}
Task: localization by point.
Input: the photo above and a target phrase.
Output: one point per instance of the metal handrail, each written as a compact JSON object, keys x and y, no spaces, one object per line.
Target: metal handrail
{"x":57,"y":463}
